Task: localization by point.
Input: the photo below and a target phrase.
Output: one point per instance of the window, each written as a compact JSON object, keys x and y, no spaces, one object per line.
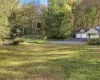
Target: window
{"x":39,"y":25}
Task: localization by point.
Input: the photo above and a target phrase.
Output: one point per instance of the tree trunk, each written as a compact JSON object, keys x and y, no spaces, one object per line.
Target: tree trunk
{"x":23,"y":31}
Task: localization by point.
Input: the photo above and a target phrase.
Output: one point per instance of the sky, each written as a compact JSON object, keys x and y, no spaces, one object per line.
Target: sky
{"x":37,"y":2}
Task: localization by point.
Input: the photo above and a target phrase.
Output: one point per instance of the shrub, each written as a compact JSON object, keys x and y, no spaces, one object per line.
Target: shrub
{"x":94,"y":41}
{"x":17,"y":41}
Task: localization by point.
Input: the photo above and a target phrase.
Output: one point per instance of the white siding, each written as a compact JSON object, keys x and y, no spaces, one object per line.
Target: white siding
{"x":94,"y":36}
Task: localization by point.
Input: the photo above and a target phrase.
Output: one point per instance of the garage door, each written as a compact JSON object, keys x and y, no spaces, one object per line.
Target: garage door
{"x":82,"y":35}
{"x":78,"y":35}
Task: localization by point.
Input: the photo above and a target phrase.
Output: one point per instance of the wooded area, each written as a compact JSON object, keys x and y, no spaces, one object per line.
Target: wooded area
{"x":58,"y":20}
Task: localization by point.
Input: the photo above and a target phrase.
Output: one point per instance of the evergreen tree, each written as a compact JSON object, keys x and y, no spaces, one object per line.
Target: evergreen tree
{"x":59,"y":19}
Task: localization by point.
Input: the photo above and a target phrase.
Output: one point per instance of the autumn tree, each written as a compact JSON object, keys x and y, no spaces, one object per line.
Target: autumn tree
{"x":6,"y":7}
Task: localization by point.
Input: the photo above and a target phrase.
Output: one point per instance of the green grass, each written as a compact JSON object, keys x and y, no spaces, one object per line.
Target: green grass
{"x":37,"y":41}
{"x":50,"y":62}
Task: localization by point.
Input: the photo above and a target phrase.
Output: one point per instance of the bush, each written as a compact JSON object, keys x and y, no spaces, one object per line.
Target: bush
{"x":95,"y":41}
{"x":17,"y":41}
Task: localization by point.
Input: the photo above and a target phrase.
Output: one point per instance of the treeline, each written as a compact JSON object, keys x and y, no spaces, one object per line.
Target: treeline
{"x":59,"y":20}
{"x":16,"y":19}
{"x":86,"y":14}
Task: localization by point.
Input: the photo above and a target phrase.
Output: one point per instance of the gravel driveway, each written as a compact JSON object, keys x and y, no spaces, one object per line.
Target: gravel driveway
{"x":67,"y":41}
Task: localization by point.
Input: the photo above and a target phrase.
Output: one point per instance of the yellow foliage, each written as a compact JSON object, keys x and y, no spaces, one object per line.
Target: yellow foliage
{"x":66,"y":7}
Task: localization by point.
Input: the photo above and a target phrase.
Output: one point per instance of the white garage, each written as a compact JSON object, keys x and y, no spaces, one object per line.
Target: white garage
{"x":90,"y":33}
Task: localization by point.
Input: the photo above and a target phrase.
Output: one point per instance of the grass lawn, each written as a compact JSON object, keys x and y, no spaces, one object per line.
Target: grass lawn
{"x":50,"y":62}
